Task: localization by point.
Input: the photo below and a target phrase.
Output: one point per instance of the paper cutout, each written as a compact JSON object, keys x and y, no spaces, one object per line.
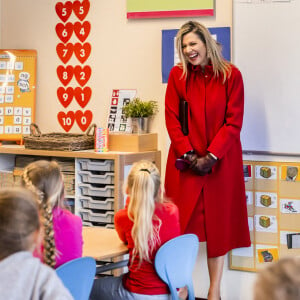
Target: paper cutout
{"x":81,"y":9}
{"x":64,"y":52}
{"x":65,"y":74}
{"x":64,"y":31}
{"x":82,"y":30}
{"x":83,"y":119}
{"x":82,"y":74}
{"x":66,"y":120}
{"x":64,"y":10}
{"x":65,"y":96}
{"x":82,"y":51}
{"x":83,"y":95}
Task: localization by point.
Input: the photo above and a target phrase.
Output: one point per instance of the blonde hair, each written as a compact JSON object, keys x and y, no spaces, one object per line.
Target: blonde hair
{"x":143,"y":186}
{"x":19,"y":219}
{"x":45,"y":179}
{"x":279,"y":281}
{"x":213,"y":49}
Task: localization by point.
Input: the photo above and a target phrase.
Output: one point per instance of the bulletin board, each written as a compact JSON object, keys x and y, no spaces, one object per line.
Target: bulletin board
{"x":17,"y":93}
{"x":273,"y":204}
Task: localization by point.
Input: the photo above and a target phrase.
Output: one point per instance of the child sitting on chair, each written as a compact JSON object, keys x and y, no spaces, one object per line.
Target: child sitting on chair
{"x":63,"y":230}
{"x":144,"y":225}
{"x":23,"y":276}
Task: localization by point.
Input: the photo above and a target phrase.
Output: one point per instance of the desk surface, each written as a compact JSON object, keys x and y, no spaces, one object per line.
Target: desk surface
{"x":102,"y":243}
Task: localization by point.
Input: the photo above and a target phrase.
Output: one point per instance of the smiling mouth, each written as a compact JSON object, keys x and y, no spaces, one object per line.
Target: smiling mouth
{"x":192,"y":56}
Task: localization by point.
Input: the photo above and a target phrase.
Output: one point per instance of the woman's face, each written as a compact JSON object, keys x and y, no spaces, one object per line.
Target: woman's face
{"x":194,"y":49}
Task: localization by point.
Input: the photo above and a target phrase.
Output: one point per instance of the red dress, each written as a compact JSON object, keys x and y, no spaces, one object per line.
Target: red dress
{"x":143,"y":279}
{"x":215,"y":121}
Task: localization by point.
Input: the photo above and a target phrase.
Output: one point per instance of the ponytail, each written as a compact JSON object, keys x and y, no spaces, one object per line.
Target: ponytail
{"x":143,"y":185}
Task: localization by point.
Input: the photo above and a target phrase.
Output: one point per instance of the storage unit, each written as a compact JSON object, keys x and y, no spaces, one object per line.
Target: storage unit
{"x":98,"y":177}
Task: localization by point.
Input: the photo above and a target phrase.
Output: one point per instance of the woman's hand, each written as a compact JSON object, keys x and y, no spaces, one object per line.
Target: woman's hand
{"x":203,"y":165}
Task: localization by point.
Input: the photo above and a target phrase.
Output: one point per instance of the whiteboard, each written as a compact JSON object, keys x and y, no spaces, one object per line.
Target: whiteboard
{"x":266,"y":48}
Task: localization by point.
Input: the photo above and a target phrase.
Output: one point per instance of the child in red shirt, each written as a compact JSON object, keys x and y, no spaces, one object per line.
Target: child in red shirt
{"x":146,"y":223}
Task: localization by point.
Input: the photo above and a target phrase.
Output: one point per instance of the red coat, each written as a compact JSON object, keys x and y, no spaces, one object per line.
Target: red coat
{"x":215,"y":121}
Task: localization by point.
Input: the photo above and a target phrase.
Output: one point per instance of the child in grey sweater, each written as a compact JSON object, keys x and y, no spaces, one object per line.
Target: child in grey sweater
{"x":21,"y":275}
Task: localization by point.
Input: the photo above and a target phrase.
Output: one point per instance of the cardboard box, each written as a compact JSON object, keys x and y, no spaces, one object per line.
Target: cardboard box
{"x":132,"y":142}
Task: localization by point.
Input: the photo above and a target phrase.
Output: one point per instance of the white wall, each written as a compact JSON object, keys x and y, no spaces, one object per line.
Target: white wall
{"x":125,"y":54}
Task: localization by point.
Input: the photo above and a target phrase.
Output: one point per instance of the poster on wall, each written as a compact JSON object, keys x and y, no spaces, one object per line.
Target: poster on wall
{"x":117,"y":121}
{"x":273,"y":214}
{"x":169,"y":8}
{"x":17,"y":93}
{"x":169,"y":52}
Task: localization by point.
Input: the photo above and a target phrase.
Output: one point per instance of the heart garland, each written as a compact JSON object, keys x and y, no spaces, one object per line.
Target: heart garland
{"x":83,"y":119}
{"x":82,"y":51}
{"x":83,"y":95}
{"x":65,"y":96}
{"x":66,"y":120}
{"x":82,"y":74}
{"x":64,"y":52}
{"x":65,"y":74}
{"x":80,"y":9}
{"x":64,"y":31}
{"x":82,"y":30}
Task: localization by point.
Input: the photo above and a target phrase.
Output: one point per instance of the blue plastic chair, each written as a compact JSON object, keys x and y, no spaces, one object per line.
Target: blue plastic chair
{"x":174,"y":263}
{"x":78,"y":276}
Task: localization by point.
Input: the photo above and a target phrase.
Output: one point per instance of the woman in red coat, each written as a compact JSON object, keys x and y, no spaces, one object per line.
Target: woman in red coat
{"x":210,"y":194}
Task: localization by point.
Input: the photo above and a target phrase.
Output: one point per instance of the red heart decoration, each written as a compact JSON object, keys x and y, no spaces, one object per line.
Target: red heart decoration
{"x":83,"y":95}
{"x":82,"y":30}
{"x":82,"y":75}
{"x":64,"y":31}
{"x":82,"y":52}
{"x":66,"y":120}
{"x":65,"y":96}
{"x":65,"y":74}
{"x":64,"y":10}
{"x":81,"y":8}
{"x":83,"y":119}
{"x":64,"y":52}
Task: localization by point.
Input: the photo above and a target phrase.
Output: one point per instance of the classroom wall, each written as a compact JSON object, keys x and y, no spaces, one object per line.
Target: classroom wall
{"x":125,"y":54}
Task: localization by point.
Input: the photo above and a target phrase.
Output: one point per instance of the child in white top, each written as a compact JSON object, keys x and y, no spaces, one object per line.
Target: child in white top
{"x":21,"y":275}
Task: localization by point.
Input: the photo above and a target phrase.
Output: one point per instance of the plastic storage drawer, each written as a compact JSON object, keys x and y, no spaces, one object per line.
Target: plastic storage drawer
{"x":96,"y":165}
{"x":90,"y":216}
{"x":89,"y":190}
{"x":106,"y":203}
{"x":91,"y":224}
{"x":89,"y":177}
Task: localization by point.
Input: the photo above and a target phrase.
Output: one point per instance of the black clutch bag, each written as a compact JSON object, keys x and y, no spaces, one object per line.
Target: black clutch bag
{"x":184,"y":116}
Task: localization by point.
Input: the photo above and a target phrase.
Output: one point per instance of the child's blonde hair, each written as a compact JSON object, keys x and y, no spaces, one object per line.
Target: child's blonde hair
{"x":19,"y":219}
{"x":45,"y":179}
{"x":143,"y":187}
{"x":279,"y":280}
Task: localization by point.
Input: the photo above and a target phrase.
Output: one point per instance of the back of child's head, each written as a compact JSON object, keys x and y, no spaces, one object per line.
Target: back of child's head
{"x":143,"y":187}
{"x":279,"y":280}
{"x":45,"y":179}
{"x":19,"y":220}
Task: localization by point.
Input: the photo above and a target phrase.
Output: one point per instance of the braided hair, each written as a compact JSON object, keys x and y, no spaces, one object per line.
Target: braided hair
{"x":44,"y":178}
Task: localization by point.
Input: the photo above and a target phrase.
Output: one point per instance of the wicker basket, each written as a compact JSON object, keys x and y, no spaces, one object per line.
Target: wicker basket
{"x":59,"y":141}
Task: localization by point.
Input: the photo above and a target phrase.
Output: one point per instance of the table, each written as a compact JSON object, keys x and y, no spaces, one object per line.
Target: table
{"x":103,"y":243}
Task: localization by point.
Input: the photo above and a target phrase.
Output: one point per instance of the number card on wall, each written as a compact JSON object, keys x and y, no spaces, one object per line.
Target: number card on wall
{"x":17,"y":93}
